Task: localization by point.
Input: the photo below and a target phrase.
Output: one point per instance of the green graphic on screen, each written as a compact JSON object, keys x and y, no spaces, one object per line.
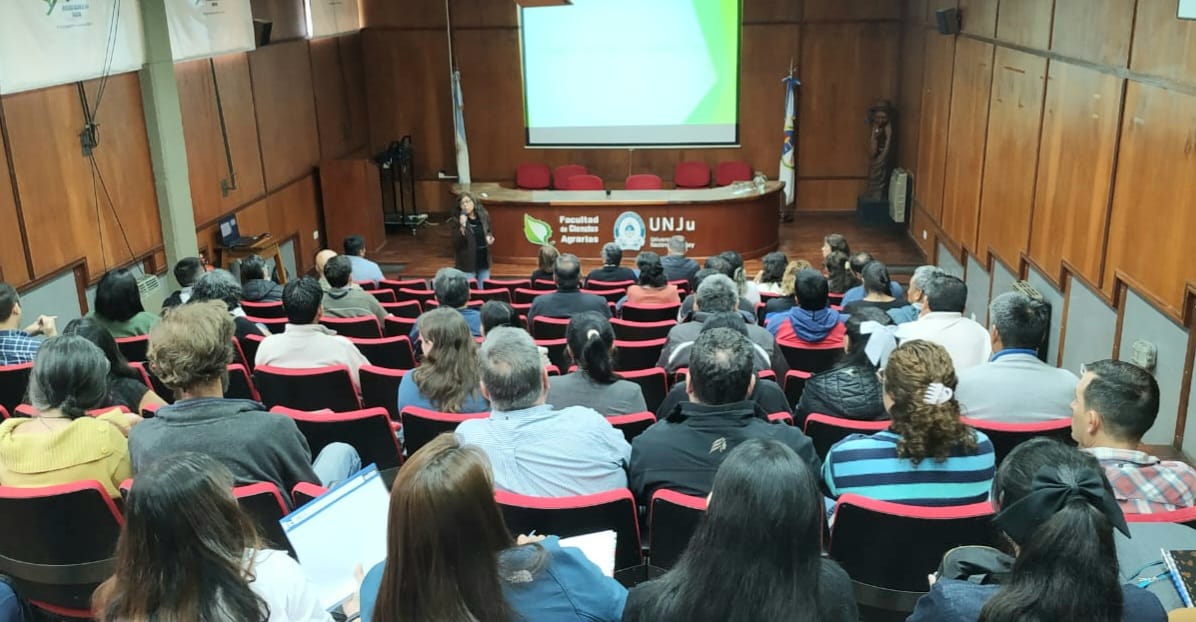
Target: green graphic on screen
{"x":631,"y":72}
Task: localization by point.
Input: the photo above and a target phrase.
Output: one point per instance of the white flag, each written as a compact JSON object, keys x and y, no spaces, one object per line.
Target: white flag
{"x":788,"y":169}
{"x":459,"y":130}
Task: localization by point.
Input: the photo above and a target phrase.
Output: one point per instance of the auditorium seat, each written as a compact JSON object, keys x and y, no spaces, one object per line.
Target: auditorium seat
{"x":632,"y":355}
{"x":13,"y":381}
{"x":390,"y":352}
{"x":265,"y":505}
{"x":628,"y":330}
{"x":249,"y":346}
{"x":398,"y":326}
{"x":888,"y":549}
{"x":501,"y":294}
{"x":275,"y":325}
{"x":532,"y":176}
{"x":368,"y":286}
{"x":303,"y":492}
{"x":363,"y":327}
{"x":556,"y":351}
{"x":133,"y":348}
{"x":595,"y":284}
{"x":824,"y":430}
{"x":649,"y":313}
{"x":421,"y":425}
{"x":811,"y":357}
{"x":368,"y":430}
{"x":397,"y":284}
{"x":383,"y":295}
{"x":643,"y":181}
{"x":424,"y":296}
{"x":380,"y":387}
{"x":562,"y":173}
{"x":654,"y":384}
{"x":795,"y":384}
{"x":316,"y":388}
{"x":263,"y":309}
{"x":585,"y":182}
{"x":632,"y":425}
{"x":507,"y":284}
{"x":780,"y":417}
{"x":527,"y":296}
{"x":544,"y":327}
{"x":691,"y":174}
{"x":1184,"y":516}
{"x":406,"y":308}
{"x":727,"y":173}
{"x":472,"y":304}
{"x":1006,"y":436}
{"x":59,"y":544}
{"x":543,"y":285}
{"x":238,"y":356}
{"x":672,"y":520}
{"x":240,"y":385}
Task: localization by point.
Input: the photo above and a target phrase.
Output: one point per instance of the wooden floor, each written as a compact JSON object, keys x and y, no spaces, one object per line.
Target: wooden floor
{"x":430,"y":249}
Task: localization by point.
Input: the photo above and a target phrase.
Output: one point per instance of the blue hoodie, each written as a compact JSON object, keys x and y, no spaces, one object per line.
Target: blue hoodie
{"x":809,"y":326}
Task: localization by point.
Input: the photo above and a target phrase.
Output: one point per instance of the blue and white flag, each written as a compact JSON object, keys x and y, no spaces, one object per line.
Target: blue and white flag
{"x":788,"y":171}
{"x":459,"y":130}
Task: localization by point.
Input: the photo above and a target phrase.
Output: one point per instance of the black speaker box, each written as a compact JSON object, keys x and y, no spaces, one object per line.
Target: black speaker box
{"x":261,"y":31}
{"x":948,"y":21}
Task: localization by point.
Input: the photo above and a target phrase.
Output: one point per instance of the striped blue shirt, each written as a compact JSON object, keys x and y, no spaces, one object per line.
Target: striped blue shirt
{"x":869,"y":466}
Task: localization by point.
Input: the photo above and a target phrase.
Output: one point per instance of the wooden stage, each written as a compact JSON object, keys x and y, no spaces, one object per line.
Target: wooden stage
{"x":430,"y":249}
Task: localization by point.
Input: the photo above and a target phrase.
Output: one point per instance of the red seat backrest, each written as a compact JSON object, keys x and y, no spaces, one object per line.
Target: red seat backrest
{"x":643,"y":181}
{"x":562,"y":173}
{"x":727,"y":173}
{"x":691,"y":174}
{"x":584,"y":182}
{"x":532,"y":176}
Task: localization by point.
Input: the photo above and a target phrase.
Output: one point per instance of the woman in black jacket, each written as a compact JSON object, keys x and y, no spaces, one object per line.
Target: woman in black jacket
{"x":851,"y":388}
{"x":472,"y":237}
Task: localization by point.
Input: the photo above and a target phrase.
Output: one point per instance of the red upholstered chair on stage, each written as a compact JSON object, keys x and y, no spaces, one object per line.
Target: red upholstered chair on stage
{"x":727,"y":173}
{"x":691,"y":174}
{"x":531,"y":176}
{"x":561,"y":175}
{"x":643,"y":181}
{"x":584,"y":182}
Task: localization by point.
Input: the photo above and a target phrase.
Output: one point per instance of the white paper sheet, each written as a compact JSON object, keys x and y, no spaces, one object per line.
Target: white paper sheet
{"x":598,"y":547}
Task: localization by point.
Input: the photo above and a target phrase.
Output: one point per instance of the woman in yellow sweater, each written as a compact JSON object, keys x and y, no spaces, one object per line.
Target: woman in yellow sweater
{"x":61,"y":444}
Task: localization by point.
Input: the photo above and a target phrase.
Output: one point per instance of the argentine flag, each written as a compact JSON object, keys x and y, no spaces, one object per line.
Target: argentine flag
{"x":788,"y":170}
{"x":459,"y":131}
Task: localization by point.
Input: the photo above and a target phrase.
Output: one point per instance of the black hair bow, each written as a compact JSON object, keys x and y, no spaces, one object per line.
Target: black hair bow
{"x":1052,"y":489}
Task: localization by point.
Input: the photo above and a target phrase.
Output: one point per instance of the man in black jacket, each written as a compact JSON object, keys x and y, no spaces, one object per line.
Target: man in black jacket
{"x":683,"y":451}
{"x":568,"y":298}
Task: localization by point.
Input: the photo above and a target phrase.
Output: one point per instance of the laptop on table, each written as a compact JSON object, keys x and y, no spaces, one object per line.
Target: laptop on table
{"x":230,"y":234}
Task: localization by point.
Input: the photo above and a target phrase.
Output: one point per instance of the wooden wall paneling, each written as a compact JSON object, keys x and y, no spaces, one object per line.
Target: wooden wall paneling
{"x":934,"y":5}
{"x":922,"y":230}
{"x":1026,"y":22}
{"x":494,"y":120}
{"x":1154,"y":200}
{"x":1080,"y":124}
{"x":1010,"y":161}
{"x":252,"y":218}
{"x":913,"y":12}
{"x":828,"y":195}
{"x":766,"y":51}
{"x":353,"y":66}
{"x":1163,"y":44}
{"x":288,"y":17}
{"x":979,"y":17}
{"x":965,"y":143}
{"x":332,"y":98}
{"x":771,"y":11}
{"x":13,"y":268}
{"x":1094,"y":30}
{"x":295,"y":211}
{"x":483,"y":14}
{"x":206,"y":159}
{"x":404,"y":13}
{"x":823,"y":10}
{"x":932,"y":128}
{"x":286,"y":111}
{"x":845,"y":68}
{"x":909,"y":105}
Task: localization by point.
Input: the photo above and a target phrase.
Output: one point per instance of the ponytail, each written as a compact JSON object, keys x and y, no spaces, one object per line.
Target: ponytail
{"x":596,"y":360}
{"x":591,"y":340}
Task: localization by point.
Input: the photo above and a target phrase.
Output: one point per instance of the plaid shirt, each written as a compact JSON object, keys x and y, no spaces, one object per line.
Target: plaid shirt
{"x":1143,"y":484}
{"x":16,"y":346}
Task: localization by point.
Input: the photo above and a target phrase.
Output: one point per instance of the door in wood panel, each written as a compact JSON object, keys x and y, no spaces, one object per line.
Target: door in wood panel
{"x":934,"y":123}
{"x":965,"y":140}
{"x":1094,"y":30}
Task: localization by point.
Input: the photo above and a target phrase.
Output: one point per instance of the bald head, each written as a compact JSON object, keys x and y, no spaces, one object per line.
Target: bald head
{"x":322,"y":258}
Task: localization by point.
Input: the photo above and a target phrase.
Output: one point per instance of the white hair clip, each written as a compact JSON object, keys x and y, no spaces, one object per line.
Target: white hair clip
{"x":937,"y":393}
{"x":882,"y":341}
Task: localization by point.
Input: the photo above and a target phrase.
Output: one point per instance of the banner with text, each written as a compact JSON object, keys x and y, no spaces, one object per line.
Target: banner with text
{"x":327,"y":18}
{"x":49,"y":42}
{"x":204,"y":28}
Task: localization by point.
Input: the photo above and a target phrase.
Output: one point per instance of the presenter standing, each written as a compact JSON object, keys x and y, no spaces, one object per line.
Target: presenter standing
{"x":472,"y":238}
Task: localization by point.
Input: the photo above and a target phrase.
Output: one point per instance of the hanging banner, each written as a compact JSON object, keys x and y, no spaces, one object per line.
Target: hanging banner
{"x":327,"y":18}
{"x":205,"y":28}
{"x":49,"y":42}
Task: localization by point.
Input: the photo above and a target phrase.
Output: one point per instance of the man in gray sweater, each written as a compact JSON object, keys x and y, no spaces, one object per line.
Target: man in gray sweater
{"x":190,"y":350}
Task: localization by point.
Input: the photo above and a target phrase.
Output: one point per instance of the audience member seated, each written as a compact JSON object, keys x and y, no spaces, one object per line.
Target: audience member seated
{"x":766,"y":394}
{"x":1016,"y":387}
{"x":858,"y":262}
{"x":611,"y":270}
{"x":851,"y":388}
{"x":305,"y":344}
{"x":12,"y":609}
{"x":363,"y":269}
{"x":682,"y":451}
{"x":714,"y":265}
{"x":495,"y":313}
{"x":764,"y":526}
{"x":118,"y":305}
{"x":452,"y":292}
{"x":535,"y":449}
{"x":343,"y":301}
{"x":1057,"y":509}
{"x":651,"y":287}
{"x":186,"y":271}
{"x":678,"y":267}
{"x":927,"y":456}
{"x":877,"y":286}
{"x":787,"y":298}
{"x":61,"y":444}
{"x":747,"y":289}
{"x":835,"y":243}
{"x":20,"y":345}
{"x":769,"y":279}
{"x":221,"y":285}
{"x":568,"y":298}
{"x":917,"y":283}
{"x":1115,"y":405}
{"x":543,"y":271}
{"x":126,"y":387}
{"x":942,"y":322}
{"x":188,"y":552}
{"x":190,"y":351}
{"x":447,"y":380}
{"x":812,"y":322}
{"x":255,"y":287}
{"x":450,"y":556}
{"x":838,"y":273}
{"x":717,"y":294}
{"x":591,"y":342}
{"x":321,"y":259}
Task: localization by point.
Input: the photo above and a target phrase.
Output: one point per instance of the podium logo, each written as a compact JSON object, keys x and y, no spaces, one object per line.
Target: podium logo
{"x":630,"y":231}
{"x":536,"y":231}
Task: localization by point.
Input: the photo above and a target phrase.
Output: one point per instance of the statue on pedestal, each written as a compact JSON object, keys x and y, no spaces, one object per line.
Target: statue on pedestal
{"x":880,"y":155}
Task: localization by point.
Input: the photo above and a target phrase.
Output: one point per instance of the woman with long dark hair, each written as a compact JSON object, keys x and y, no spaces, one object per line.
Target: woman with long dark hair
{"x":450,"y":557}
{"x":188,"y":552}
{"x":472,"y":237}
{"x":835,"y":243}
{"x":651,"y":286}
{"x":591,"y":344}
{"x":448,"y":379}
{"x":118,"y":305}
{"x":838,"y":273}
{"x":850,"y":389}
{"x":126,"y":387}
{"x":763,"y":528}
{"x":878,"y":293}
{"x":1059,"y":513}
{"x":546,"y":261}
{"x":770,"y":278}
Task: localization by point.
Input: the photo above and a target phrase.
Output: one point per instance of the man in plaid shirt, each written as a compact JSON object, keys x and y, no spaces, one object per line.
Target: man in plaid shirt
{"x":1115,"y":404}
{"x":16,"y":345}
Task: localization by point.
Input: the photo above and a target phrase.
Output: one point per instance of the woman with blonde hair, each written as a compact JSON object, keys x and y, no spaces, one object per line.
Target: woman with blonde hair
{"x":547,"y":261}
{"x":788,"y":298}
{"x":927,"y":456}
{"x":448,"y":379}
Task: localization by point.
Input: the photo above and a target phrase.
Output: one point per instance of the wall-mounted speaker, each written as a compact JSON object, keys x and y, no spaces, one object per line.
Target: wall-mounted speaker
{"x":948,"y":21}
{"x":261,"y":31}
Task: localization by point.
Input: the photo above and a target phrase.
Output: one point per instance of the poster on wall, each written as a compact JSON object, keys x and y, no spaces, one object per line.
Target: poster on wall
{"x":327,"y":18}
{"x":204,"y":28}
{"x":49,"y":42}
